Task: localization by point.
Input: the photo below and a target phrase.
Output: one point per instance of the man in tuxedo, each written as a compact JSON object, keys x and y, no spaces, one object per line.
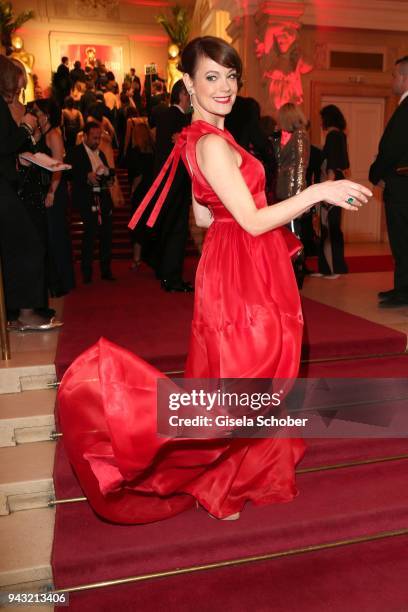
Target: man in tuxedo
{"x":393,"y":154}
{"x":244,"y":124}
{"x":61,"y":81}
{"x":136,"y":86}
{"x":91,"y":178}
{"x":172,"y":224}
{"x":63,"y":68}
{"x":77,"y":73}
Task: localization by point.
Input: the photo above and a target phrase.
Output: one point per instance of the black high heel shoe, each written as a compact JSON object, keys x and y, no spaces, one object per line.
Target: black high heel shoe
{"x":181,"y":287}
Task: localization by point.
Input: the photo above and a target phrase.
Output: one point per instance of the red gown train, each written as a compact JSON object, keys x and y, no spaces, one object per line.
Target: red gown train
{"x":247,"y":323}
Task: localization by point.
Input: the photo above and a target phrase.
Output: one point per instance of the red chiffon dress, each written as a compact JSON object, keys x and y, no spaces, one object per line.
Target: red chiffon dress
{"x":247,"y":323}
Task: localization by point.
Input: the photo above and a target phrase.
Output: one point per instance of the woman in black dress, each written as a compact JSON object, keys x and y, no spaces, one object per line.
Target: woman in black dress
{"x":139,"y":155}
{"x":72,"y":121}
{"x":56,"y":204}
{"x":45,"y":196}
{"x":22,"y":252}
{"x":336,"y":163}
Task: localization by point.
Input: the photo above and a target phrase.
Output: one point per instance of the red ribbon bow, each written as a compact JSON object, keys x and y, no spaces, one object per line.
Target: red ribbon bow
{"x":173,"y":161}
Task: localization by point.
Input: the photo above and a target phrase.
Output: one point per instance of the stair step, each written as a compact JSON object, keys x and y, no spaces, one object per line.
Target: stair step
{"x":26,"y":542}
{"x":15,"y":378}
{"x":26,"y":476}
{"x":332,"y":506}
{"x":27,"y":417}
{"x":119,"y":236}
{"x":357,"y":577}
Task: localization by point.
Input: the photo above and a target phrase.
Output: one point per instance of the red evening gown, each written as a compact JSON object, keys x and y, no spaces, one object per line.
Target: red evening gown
{"x":247,"y":323}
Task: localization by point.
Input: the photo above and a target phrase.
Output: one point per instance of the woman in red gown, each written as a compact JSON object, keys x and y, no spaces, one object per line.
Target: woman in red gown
{"x":247,"y":324}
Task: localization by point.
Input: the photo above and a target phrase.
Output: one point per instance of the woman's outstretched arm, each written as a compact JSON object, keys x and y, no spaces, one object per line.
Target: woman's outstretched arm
{"x":218,"y":163}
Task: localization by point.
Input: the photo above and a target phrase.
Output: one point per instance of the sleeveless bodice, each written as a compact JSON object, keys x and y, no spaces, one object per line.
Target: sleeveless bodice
{"x":251,"y":169}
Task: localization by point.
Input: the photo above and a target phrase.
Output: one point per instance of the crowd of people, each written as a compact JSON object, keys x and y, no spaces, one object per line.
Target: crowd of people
{"x":93,"y":125}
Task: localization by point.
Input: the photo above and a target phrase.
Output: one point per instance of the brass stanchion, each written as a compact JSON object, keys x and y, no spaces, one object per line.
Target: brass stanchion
{"x":4,"y":339}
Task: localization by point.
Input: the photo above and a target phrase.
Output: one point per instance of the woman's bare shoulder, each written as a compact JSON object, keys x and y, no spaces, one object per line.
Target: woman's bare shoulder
{"x":55,"y":134}
{"x":213,"y":145}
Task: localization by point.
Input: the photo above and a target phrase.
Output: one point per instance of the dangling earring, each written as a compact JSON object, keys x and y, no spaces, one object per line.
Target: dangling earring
{"x":190,"y":93}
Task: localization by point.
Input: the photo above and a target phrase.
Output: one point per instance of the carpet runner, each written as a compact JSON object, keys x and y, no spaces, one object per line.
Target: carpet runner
{"x":335,"y":505}
{"x":327,"y":510}
{"x":361,"y":263}
{"x":136,"y":314}
{"x":360,"y":578}
{"x":366,"y":499}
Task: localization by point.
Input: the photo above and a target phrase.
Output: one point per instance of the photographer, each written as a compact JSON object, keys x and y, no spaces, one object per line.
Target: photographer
{"x":91,"y":179}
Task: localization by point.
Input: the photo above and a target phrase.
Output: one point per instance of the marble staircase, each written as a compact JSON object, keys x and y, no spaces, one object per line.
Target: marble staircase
{"x":27,"y":399}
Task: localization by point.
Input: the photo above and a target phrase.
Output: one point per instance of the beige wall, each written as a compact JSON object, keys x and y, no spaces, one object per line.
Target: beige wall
{"x":315,"y":44}
{"x":132,"y":26}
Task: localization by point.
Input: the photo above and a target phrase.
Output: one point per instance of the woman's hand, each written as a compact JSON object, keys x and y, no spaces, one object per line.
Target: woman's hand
{"x":344,"y":193}
{"x":49,"y":200}
{"x":23,"y":162}
{"x":30,"y":120}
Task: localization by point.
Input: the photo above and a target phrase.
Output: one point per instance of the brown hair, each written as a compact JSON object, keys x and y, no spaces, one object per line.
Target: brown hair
{"x":142,"y":137}
{"x":214,"y":48}
{"x":10,"y":72}
{"x":291,"y":117}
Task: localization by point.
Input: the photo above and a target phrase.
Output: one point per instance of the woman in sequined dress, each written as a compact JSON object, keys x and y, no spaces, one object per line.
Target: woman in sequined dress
{"x":292,"y":152}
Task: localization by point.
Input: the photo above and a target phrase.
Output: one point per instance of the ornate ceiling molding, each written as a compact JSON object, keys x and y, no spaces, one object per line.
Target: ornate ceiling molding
{"x":357,"y":14}
{"x":362,"y":14}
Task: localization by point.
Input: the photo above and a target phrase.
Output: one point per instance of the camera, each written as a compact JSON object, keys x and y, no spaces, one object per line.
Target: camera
{"x":105,"y":180}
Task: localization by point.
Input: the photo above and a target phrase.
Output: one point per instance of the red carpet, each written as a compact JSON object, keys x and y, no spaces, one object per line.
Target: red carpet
{"x":333,"y":333}
{"x":320,"y":452}
{"x":136,"y":314}
{"x":379,"y":367}
{"x":133,"y":312}
{"x":316,"y":582}
{"x":333,"y":505}
{"x":361,"y":263}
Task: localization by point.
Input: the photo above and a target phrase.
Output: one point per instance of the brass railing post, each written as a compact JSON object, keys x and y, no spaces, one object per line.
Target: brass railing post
{"x":4,"y":339}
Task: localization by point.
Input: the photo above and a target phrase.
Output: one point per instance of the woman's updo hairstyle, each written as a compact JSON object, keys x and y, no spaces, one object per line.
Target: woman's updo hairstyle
{"x":214,"y":48}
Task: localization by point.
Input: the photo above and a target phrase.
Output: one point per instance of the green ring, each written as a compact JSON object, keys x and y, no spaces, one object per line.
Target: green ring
{"x":350,"y":200}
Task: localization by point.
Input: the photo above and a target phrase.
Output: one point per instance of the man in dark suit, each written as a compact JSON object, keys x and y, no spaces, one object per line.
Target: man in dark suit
{"x":244,"y":124}
{"x":136,"y":86}
{"x":91,"y":178}
{"x":77,"y":73}
{"x":172,"y":224}
{"x":393,"y":153}
{"x":63,"y":68}
{"x":61,"y":81}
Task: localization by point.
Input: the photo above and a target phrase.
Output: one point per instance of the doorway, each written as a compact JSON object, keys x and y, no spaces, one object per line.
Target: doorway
{"x":365,"y":121}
